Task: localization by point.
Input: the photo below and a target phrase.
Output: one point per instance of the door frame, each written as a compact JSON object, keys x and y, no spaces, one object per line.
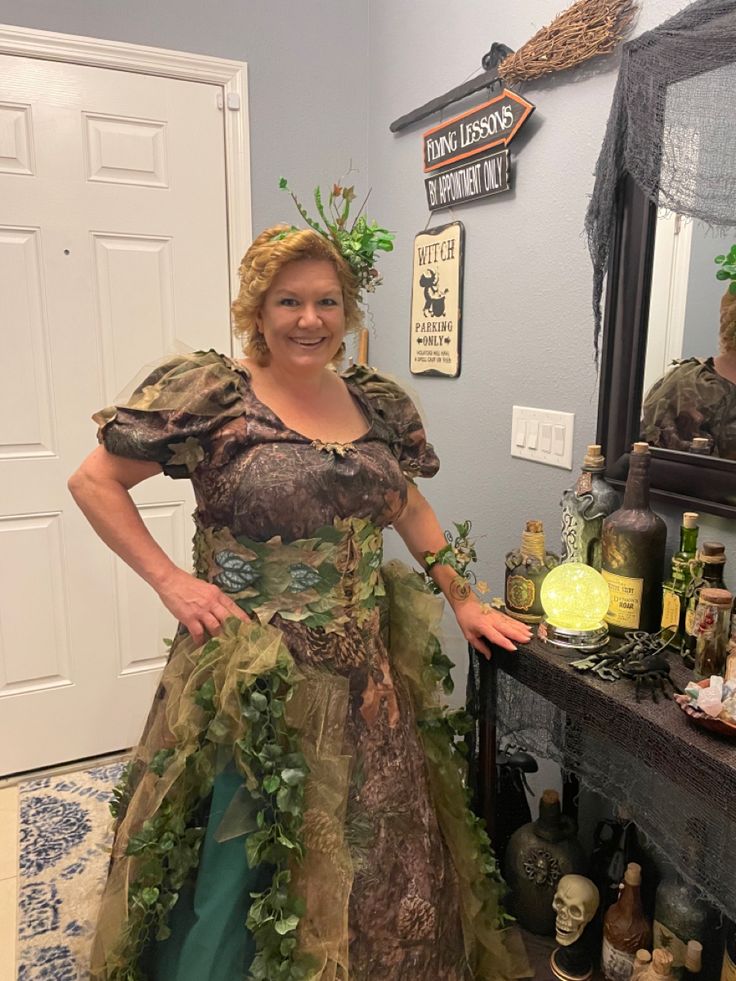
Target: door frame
{"x":232,"y":76}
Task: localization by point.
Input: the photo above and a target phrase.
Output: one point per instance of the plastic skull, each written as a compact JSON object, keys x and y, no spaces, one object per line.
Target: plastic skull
{"x":575,"y":903}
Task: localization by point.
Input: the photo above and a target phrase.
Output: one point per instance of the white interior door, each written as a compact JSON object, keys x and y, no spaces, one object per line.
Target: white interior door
{"x":113,"y":254}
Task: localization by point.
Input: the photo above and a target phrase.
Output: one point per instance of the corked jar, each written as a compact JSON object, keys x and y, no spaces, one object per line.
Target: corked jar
{"x":537,"y":856}
{"x":661,"y":966}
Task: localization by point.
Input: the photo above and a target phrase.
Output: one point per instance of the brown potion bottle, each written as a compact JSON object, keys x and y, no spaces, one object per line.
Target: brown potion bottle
{"x":633,"y":553}
{"x":625,"y":929}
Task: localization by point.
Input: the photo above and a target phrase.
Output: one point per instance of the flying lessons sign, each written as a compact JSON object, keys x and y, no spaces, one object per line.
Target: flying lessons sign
{"x":486,"y":127}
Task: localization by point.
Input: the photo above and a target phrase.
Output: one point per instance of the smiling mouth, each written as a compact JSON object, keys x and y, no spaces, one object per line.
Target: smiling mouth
{"x":308,"y":342}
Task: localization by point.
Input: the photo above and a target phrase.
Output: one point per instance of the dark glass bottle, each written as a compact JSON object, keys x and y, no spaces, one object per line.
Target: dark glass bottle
{"x":584,"y":506}
{"x":537,"y":856}
{"x":633,"y":553}
{"x":679,"y":916}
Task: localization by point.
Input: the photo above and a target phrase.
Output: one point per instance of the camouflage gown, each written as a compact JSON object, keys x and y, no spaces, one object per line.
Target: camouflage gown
{"x":291,"y":528}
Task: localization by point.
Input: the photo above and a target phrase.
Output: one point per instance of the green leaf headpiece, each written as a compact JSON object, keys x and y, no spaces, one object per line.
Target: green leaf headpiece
{"x":357,"y":242}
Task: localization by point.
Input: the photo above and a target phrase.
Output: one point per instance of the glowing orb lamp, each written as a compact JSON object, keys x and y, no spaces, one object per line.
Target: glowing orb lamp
{"x":575,"y":600}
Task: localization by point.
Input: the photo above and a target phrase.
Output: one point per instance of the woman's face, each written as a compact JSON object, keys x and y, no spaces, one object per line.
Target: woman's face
{"x":302,"y":318}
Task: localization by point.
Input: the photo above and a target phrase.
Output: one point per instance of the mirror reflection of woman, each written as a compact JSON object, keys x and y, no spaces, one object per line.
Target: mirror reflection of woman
{"x":296,"y":470}
{"x":697,"y":397}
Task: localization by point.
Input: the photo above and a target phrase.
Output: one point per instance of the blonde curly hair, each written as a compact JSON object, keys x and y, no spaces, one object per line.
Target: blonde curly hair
{"x":264,"y":260}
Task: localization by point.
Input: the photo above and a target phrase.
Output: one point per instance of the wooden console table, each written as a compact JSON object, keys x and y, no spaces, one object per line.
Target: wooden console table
{"x":659,"y":735}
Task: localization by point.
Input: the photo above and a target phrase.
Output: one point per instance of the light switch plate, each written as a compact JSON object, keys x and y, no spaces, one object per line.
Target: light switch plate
{"x":542,"y":435}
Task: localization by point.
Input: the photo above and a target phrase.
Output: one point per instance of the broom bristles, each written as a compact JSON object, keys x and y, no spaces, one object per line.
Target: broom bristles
{"x":586,"y":29}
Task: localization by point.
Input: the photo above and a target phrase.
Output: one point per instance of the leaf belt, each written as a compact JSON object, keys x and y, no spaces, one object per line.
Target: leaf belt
{"x":324,"y":581}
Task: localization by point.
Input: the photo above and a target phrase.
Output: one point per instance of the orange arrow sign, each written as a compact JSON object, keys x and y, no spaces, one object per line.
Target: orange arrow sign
{"x":494,"y":123}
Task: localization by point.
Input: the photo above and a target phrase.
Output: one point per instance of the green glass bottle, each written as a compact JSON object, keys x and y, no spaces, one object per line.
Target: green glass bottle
{"x":675,"y":589}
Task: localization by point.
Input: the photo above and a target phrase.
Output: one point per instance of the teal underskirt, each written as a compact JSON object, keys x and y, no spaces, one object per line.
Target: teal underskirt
{"x":209,"y":940}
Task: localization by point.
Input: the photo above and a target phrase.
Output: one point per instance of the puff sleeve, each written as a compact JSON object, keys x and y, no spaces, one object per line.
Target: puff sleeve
{"x":688,"y":401}
{"x":184,"y":413}
{"x":398,"y":416}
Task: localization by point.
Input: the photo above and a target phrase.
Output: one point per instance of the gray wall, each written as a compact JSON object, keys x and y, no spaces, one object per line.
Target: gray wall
{"x":326,"y":78}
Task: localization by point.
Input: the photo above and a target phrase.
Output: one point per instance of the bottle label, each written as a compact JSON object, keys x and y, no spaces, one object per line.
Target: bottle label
{"x":625,"y":606}
{"x":520,"y":592}
{"x":670,"y":609}
{"x":665,"y":938}
{"x":617,"y":964}
{"x":729,"y":968}
{"x":689,"y":620}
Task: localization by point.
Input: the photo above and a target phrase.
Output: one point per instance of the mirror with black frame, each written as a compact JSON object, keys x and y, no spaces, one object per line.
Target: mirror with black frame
{"x":668,"y":369}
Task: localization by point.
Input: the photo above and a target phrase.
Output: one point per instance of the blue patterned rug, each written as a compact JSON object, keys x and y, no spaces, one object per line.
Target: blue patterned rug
{"x":65,"y":836}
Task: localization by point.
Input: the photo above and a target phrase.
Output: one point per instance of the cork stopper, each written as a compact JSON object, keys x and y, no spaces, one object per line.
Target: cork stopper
{"x":632,"y":875}
{"x":532,"y":541}
{"x":718,"y":597}
{"x":662,"y":962}
{"x":694,"y":956}
{"x":640,"y":448}
{"x":690,"y":519}
{"x":642,"y":956}
{"x":594,"y":459}
{"x":550,"y":798}
{"x":700,"y":444}
{"x":713,"y":552}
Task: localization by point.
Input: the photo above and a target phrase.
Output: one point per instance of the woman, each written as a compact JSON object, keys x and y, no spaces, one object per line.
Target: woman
{"x":287,"y":715}
{"x":697,"y":397}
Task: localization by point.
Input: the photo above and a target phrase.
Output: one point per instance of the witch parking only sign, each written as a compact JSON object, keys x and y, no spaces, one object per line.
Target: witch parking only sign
{"x":436,"y":301}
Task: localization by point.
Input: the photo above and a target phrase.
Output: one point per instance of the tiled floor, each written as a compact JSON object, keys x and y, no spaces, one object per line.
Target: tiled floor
{"x":8,"y":881}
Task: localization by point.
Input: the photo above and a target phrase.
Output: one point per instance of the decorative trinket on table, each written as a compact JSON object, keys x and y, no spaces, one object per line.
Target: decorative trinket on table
{"x":693,"y":960}
{"x":576,"y":902}
{"x":660,"y":967}
{"x":642,"y":960}
{"x":711,"y":703}
{"x":641,"y":659}
{"x":626,"y":929}
{"x":537,"y":857}
{"x":707,"y":574}
{"x":526,"y":569}
{"x":679,"y":914}
{"x":437,"y":301}
{"x":575,"y":600}
{"x":632,"y":562}
{"x":711,"y":628}
{"x":584,"y":506}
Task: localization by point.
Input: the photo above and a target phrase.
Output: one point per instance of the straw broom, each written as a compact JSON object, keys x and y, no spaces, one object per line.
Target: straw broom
{"x":586,"y":29}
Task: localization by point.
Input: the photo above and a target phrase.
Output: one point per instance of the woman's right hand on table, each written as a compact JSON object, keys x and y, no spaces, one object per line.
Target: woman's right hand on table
{"x":199,"y":606}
